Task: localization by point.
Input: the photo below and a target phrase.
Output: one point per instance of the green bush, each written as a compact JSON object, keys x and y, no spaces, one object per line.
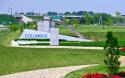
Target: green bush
{"x":77,"y":43}
{"x":13,"y":28}
{"x":112,"y":54}
{"x":35,"y":44}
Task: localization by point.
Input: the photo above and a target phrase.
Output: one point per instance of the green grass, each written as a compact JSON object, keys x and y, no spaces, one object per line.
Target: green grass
{"x":24,"y":59}
{"x":92,"y":28}
{"x":97,"y":33}
{"x":7,"y":36}
{"x":101,"y":36}
{"x":94,"y":69}
{"x":3,"y":33}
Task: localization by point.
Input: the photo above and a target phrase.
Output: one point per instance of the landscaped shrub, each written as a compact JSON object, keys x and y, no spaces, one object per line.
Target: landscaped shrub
{"x":31,"y":40}
{"x":35,"y":44}
{"x":13,"y":28}
{"x":112,"y":54}
{"x":95,"y":75}
{"x":35,"y":40}
{"x":78,"y":43}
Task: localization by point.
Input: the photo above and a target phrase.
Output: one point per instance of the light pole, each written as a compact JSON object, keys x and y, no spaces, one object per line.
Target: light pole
{"x":11,"y":15}
{"x":101,"y":20}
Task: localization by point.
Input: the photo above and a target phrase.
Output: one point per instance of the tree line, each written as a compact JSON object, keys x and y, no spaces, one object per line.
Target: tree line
{"x":90,"y":18}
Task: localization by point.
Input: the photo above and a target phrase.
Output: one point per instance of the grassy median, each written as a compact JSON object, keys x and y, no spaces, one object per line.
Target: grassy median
{"x":23,"y":59}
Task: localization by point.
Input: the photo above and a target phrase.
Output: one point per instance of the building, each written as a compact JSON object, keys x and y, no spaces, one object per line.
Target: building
{"x":123,"y":17}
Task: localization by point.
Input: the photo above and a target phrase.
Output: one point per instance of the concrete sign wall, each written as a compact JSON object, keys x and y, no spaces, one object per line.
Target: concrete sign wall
{"x":32,"y":34}
{"x":54,"y":36}
{"x":39,"y":25}
{"x":44,"y":25}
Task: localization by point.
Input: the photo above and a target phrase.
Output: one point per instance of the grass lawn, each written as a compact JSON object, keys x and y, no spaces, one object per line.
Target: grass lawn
{"x":97,"y":33}
{"x":3,"y":33}
{"x":7,"y":36}
{"x":92,"y":28}
{"x":24,"y":59}
{"x":94,"y":69}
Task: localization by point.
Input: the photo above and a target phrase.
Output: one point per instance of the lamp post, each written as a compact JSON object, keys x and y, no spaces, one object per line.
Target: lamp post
{"x":101,"y":20}
{"x":11,"y":15}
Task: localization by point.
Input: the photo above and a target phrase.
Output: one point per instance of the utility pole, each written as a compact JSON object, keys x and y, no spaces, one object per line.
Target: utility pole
{"x":101,"y":20}
{"x":11,"y":15}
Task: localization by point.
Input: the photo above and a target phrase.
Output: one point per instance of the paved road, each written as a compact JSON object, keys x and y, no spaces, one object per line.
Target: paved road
{"x":59,"y":72}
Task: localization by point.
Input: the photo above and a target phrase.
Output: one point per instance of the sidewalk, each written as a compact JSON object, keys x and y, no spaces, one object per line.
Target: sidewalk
{"x":70,"y":47}
{"x":58,"y":72}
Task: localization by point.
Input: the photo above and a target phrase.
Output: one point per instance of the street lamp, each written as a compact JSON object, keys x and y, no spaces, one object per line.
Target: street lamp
{"x":11,"y":15}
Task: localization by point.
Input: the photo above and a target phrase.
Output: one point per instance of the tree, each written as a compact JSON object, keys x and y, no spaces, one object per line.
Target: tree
{"x":74,"y":13}
{"x":81,"y":12}
{"x":109,"y":21}
{"x":103,"y":19}
{"x":112,"y":54}
{"x":13,"y":28}
{"x":88,"y":18}
{"x":67,"y":13}
{"x":52,"y":13}
{"x":75,"y":22}
{"x":66,"y":20}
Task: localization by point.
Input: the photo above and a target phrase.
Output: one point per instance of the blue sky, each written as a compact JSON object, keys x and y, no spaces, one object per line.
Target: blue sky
{"x":108,"y":6}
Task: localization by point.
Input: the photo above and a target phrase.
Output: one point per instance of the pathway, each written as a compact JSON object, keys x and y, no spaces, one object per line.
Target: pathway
{"x":122,"y":59}
{"x":58,"y":72}
{"x":69,"y":47}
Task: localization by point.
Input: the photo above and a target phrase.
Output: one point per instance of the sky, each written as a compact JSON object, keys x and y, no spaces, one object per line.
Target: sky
{"x":43,"y":6}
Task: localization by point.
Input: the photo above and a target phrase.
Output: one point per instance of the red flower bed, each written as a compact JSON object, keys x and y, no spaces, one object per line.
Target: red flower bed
{"x":122,"y":49}
{"x":95,"y":75}
{"x":100,"y":75}
{"x":122,"y":74}
{"x":116,"y":77}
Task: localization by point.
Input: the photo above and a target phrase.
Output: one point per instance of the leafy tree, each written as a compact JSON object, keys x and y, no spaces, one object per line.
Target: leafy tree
{"x":88,"y":18}
{"x":109,"y":21}
{"x":75,"y":22}
{"x":13,"y":28}
{"x":52,"y":13}
{"x":66,"y":21}
{"x":74,"y":13}
{"x":81,"y":12}
{"x":31,"y":25}
{"x":105,"y":19}
{"x":112,"y":54}
{"x":67,"y":13}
